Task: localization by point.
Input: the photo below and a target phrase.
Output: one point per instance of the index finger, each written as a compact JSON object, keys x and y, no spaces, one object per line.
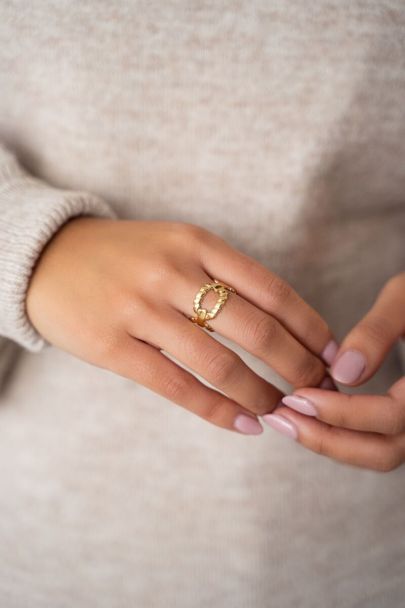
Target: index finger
{"x":374,"y":413}
{"x":271,"y":293}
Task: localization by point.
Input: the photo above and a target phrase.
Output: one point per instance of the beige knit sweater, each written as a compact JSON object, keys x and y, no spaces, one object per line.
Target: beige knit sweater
{"x":280,"y":126}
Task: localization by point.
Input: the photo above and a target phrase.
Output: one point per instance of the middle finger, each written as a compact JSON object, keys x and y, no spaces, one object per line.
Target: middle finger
{"x":257,"y":332}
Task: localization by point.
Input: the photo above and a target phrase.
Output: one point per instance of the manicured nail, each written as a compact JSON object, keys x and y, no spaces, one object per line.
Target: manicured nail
{"x":300,"y":404}
{"x":329,"y":352}
{"x":247,"y":425}
{"x":328,"y":384}
{"x":349,"y":367}
{"x":281,"y":424}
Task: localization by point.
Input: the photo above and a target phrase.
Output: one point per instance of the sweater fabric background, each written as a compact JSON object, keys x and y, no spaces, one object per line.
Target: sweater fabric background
{"x":279,"y":126}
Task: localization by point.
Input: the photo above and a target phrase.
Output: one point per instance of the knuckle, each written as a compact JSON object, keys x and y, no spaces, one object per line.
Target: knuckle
{"x":187,"y":231}
{"x":315,"y":326}
{"x":377,"y":329}
{"x":277,"y":291}
{"x":264,"y":405}
{"x":223,"y":368}
{"x":308,"y":371}
{"x":160,"y":270}
{"x":261,"y":333}
{"x":187,"y":239}
{"x":214,"y":408}
{"x":388,"y":460}
{"x":130,"y":306}
{"x":118,"y":298}
{"x":320,"y":445}
{"x":175,"y":387}
{"x":107,"y":347}
{"x":394,"y":420}
{"x":341,"y":417}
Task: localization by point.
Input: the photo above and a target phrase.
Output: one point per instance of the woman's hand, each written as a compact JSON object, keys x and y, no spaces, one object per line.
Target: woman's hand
{"x":362,"y":430}
{"x":117,"y":292}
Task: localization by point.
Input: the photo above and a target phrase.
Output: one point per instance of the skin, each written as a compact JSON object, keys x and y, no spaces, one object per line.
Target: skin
{"x":116,"y":293}
{"x":362,"y":430}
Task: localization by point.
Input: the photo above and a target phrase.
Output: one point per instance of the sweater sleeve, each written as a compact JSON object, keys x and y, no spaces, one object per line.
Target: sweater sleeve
{"x":31,"y":212}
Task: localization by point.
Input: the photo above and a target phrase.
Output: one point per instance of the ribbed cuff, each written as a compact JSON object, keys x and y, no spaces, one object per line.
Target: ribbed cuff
{"x":31,"y":212}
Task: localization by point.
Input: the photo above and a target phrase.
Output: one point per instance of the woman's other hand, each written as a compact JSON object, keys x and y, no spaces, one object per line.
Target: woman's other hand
{"x":362,"y":430}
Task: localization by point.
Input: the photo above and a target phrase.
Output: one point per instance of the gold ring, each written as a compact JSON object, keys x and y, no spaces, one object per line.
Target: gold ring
{"x":202,"y":314}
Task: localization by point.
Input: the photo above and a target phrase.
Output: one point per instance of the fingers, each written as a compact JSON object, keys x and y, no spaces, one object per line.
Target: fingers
{"x":262,"y":335}
{"x":367,"y":450}
{"x":371,"y":413}
{"x":146,"y":365}
{"x":255,"y":283}
{"x":219,"y":365}
{"x":365,"y":347}
{"x":362,"y":430}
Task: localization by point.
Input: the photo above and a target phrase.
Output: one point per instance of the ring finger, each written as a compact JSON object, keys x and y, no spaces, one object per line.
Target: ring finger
{"x":257,"y":332}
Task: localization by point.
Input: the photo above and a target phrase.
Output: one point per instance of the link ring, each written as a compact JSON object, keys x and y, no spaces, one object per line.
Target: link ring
{"x":202,"y":314}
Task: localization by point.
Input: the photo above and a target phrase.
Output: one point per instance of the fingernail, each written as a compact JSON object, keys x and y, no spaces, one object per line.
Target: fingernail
{"x":281,"y":424}
{"x":247,"y":425}
{"x":349,"y":367}
{"x":300,"y":404}
{"x":329,"y":352}
{"x":328,"y":384}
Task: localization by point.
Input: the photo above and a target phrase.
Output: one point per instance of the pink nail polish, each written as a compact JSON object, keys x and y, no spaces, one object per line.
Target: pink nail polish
{"x":300,"y":404}
{"x":247,"y":425}
{"x":349,"y":367}
{"x":281,"y":424}
{"x":329,"y":352}
{"x":328,"y":384}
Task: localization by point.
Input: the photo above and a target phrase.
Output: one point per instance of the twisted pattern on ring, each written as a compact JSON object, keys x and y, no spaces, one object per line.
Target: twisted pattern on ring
{"x":202,"y":314}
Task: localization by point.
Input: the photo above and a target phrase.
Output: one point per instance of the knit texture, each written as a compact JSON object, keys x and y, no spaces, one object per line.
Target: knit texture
{"x":279,"y":125}
{"x":31,"y":212}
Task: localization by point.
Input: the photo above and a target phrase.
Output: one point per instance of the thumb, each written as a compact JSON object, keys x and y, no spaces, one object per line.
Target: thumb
{"x":364,"y":348}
